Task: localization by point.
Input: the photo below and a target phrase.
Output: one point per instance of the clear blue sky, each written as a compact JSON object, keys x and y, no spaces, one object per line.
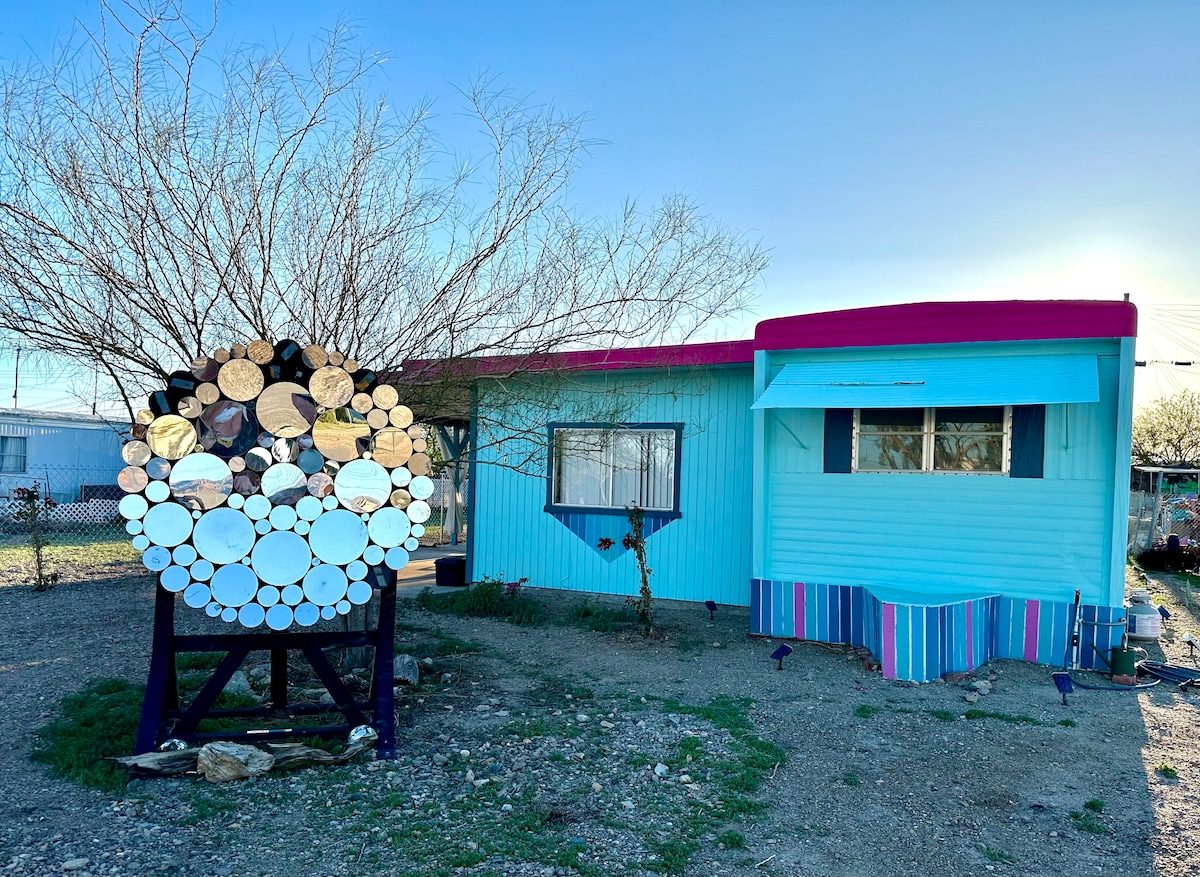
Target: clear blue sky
{"x":883,"y":151}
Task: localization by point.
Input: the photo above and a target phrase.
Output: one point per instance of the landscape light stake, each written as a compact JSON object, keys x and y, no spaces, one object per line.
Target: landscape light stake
{"x":779,"y":654}
{"x":712,"y":608}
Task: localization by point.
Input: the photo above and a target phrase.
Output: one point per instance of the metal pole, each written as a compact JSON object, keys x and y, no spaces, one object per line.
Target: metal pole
{"x":17,"y":378}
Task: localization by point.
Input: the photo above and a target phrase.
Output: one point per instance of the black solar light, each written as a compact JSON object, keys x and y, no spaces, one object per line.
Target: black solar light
{"x":1063,"y":681}
{"x":779,"y":654}
{"x":712,"y":608}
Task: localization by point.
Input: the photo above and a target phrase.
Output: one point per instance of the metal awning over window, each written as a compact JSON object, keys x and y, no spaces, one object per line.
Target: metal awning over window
{"x":955,"y":381}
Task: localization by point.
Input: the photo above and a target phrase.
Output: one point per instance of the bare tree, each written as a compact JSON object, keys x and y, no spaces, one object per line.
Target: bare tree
{"x":158,"y":199}
{"x":1167,"y":432}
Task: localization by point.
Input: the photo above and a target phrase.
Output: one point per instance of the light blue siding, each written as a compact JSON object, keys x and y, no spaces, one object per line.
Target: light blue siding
{"x":937,"y":534}
{"x":62,"y":453}
{"x":704,"y":555}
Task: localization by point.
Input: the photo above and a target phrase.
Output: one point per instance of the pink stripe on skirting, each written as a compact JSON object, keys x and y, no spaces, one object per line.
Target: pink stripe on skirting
{"x":1031,"y":630}
{"x":887,"y":633}
{"x":798,"y":611}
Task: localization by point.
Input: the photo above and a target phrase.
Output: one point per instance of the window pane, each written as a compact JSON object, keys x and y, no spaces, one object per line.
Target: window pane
{"x":889,"y":452}
{"x":968,"y":453}
{"x":892,"y":419}
{"x":969,"y":419}
{"x":579,"y":468}
{"x":605,"y":468}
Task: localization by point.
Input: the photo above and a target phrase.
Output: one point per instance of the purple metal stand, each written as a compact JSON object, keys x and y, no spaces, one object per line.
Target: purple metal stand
{"x":162,"y":718}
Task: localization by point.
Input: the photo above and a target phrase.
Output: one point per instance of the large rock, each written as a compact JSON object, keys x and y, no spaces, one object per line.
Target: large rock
{"x":407,"y":671}
{"x":222,"y":761}
{"x":237,"y":684}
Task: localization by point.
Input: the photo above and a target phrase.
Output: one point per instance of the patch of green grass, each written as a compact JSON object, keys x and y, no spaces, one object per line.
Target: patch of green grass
{"x":1166,"y":771}
{"x":1096,"y":805}
{"x":556,"y":756}
{"x":208,"y":803}
{"x":594,"y":615}
{"x":729,"y":713}
{"x":1068,"y":723}
{"x":1088,"y":822}
{"x":98,"y":722}
{"x":485,"y":599}
{"x":973,"y":714}
{"x":942,"y":715}
{"x":996,"y":855}
{"x":866,"y":710}
{"x":197,"y":661}
{"x":732,"y":840}
{"x":672,"y":854}
{"x":851,"y":778}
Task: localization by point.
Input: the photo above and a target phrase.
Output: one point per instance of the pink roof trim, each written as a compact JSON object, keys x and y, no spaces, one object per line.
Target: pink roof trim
{"x":668,"y":356}
{"x":950,"y":322}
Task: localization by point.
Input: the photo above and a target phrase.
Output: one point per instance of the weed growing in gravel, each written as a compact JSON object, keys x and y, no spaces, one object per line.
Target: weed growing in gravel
{"x":594,"y":615}
{"x":487,"y":599}
{"x":996,"y":855}
{"x":851,"y":778}
{"x":1088,"y":822}
{"x":732,"y":840}
{"x":942,"y":715}
{"x":207,"y":803}
{"x":1096,"y":805}
{"x":1003,"y":717}
{"x":1068,"y":723}
{"x":1165,"y":771}
{"x":866,"y":710}
{"x":98,"y":722}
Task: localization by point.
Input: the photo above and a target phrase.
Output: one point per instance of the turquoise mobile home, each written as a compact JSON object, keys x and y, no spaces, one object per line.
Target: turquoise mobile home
{"x":937,"y":482}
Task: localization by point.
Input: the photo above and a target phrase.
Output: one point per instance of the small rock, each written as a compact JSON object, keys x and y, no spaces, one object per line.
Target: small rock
{"x":479,"y":784}
{"x":506,"y":808}
{"x":503,"y":714}
{"x":237,"y":684}
{"x":661,"y":770}
{"x":471,"y":845}
{"x":582,"y":717}
{"x":428,"y":662}
{"x":483,"y":708}
{"x":470,"y":775}
{"x":465,"y":753}
{"x":627,"y":804}
{"x":439,"y":759}
{"x":685,"y":778}
{"x":326,"y":698}
{"x":1054,"y":834}
{"x":406,"y":671}
{"x":971,"y":696}
{"x":716,"y":645}
{"x":447,"y":678}
{"x":596,"y":787}
{"x":607,"y":724}
{"x":76,"y":864}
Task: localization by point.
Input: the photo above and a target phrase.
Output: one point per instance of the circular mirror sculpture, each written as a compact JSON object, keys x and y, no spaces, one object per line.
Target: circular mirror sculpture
{"x":268,"y":479}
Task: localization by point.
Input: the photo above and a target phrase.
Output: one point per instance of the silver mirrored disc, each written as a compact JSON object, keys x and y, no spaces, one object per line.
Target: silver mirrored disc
{"x":234,"y":585}
{"x":258,"y":459}
{"x":132,"y":507}
{"x":281,"y":558}
{"x":240,"y":379}
{"x":418,"y":511}
{"x":388,"y":527}
{"x":304,"y":441}
{"x":201,"y":481}
{"x":257,"y":507}
{"x":307,"y":614}
{"x":325,"y":584}
{"x":362,"y":486}
{"x":229,"y":614}
{"x":285,"y":450}
{"x":284,"y":484}
{"x":222,"y":536}
{"x":328,"y":612}
{"x":208,"y":393}
{"x":283,"y":517}
{"x":396,"y":558}
{"x":140,"y":542}
{"x":292,"y":595}
{"x":268,"y":595}
{"x":171,"y":436}
{"x":174,"y":578}
{"x":337,"y":434}
{"x":265,"y":440}
{"x":213,"y":609}
{"x":236,"y":500}
{"x":136,"y":453}
{"x":419,"y":445}
{"x":167,"y":524}
{"x":158,"y":468}
{"x":133,"y":527}
{"x":227,"y":429}
{"x":279,"y":617}
{"x":245,"y":484}
{"x":391,"y":447}
{"x":157,"y":491}
{"x":250,"y":615}
{"x":310,"y":461}
{"x":418,"y":530}
{"x":262,"y":527}
{"x":184,"y":555}
{"x":156,"y":558}
{"x":205,"y":369}
{"x":302,"y":527}
{"x":321,"y":486}
{"x":421,"y":487}
{"x":308,"y":508}
{"x":373,"y":554}
{"x":358,"y":593}
{"x":132,"y":479}
{"x":356,"y":571}
{"x":286,"y":410}
{"x":338,"y":536}
{"x":331,"y":386}
{"x":202,"y":570}
{"x":145,"y":416}
{"x":329,"y":503}
{"x":401,"y":477}
{"x":411,"y":544}
{"x":196,"y":595}
{"x":400,"y":498}
{"x":343,"y":607}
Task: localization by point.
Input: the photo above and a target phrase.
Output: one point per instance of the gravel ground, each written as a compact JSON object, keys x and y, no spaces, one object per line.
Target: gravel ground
{"x":879,"y":778}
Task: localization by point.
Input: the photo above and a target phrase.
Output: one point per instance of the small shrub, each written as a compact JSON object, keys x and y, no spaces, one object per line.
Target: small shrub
{"x":866,"y":710}
{"x":1068,"y":723}
{"x":996,"y":855}
{"x":1166,"y":771}
{"x":943,"y":715}
{"x":1002,"y":717}
{"x":489,"y":598}
{"x":594,"y":615}
{"x":1095,"y":805}
{"x":30,"y":512}
{"x":732,"y":840}
{"x":1088,"y":822}
{"x":851,"y":778}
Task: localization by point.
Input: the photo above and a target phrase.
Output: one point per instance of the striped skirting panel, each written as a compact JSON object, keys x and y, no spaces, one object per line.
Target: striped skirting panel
{"x":922,"y":643}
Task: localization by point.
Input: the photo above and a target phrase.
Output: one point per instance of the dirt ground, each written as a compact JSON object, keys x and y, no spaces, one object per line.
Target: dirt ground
{"x":880,"y":777}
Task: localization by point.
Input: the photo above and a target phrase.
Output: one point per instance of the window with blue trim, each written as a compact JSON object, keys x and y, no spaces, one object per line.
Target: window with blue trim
{"x":609,"y":469}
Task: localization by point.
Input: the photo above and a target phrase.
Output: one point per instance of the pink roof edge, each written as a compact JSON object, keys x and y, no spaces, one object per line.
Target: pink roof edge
{"x":953,"y":322}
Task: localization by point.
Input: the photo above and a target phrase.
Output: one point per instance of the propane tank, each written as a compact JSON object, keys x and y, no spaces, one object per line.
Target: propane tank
{"x":1145,"y":622}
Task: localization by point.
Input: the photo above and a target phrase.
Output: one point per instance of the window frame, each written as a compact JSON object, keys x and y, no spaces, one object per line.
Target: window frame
{"x":5,"y":454}
{"x":928,"y":439}
{"x":552,"y":473}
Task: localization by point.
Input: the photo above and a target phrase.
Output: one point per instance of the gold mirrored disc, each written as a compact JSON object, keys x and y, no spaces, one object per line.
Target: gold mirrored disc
{"x":171,"y":436}
{"x":419,"y":445}
{"x":401,"y":416}
{"x":260,"y":351}
{"x":238,"y":351}
{"x":132,"y":479}
{"x":221,"y":355}
{"x":362,"y":403}
{"x":337,"y":433}
{"x":415,"y":431}
{"x":385,"y":396}
{"x":190,"y":407}
{"x":240,"y":379}
{"x":138,"y":431}
{"x":314,"y":356}
{"x":419,"y":464}
{"x":336,"y":358}
{"x":391,"y":447}
{"x":286,"y":410}
{"x":207,"y":393}
{"x":350,"y":365}
{"x":400,"y":498}
{"x":331,"y":386}
{"x":377,"y":418}
{"x":136,"y":453}
{"x":145,"y":417}
{"x":205,"y":369}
